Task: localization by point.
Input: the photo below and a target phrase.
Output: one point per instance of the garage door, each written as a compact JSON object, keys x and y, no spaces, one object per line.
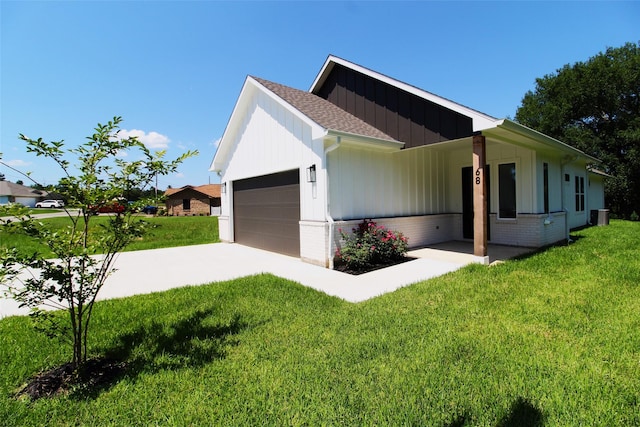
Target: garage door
{"x":267,"y":212}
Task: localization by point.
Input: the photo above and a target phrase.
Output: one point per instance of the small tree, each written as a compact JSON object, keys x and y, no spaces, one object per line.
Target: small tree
{"x":85,"y":254}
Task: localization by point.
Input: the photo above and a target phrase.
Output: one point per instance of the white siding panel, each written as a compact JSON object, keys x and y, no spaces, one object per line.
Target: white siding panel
{"x":266,"y":143}
{"x":596,"y":192}
{"x":372,"y":184}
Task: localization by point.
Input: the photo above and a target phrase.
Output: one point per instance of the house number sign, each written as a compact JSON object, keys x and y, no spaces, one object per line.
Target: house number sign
{"x":478,"y":171}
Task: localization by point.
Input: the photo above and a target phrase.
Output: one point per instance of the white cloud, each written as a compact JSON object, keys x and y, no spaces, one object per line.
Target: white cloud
{"x":216,"y":142}
{"x":153,"y":140}
{"x":17,"y":163}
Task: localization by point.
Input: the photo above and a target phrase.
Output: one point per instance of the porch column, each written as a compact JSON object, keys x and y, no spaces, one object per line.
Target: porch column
{"x":479,"y":197}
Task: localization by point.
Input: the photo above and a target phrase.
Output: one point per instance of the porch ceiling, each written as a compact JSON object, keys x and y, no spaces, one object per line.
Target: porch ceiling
{"x":515,"y":133}
{"x":509,"y":132}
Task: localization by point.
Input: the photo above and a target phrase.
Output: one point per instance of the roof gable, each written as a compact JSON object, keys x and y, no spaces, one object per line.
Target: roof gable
{"x":480,"y":120}
{"x":8,"y":188}
{"x":403,"y":115}
{"x":238,"y":116}
{"x":323,"y":117}
{"x":208,"y":190}
{"x":323,"y":112}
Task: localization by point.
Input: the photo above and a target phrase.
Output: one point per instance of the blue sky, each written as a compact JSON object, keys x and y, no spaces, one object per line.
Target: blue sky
{"x":174,"y":69}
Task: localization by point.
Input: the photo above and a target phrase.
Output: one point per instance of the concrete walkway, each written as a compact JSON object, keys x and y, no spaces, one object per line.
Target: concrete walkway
{"x":141,"y":272}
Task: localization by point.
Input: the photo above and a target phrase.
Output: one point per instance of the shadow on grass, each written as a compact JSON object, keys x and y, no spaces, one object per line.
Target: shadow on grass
{"x":522,"y":414}
{"x":190,"y":342}
{"x":458,"y":421}
{"x":538,"y":251}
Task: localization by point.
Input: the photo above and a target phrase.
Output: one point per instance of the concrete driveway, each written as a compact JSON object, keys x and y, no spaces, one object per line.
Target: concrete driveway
{"x":156,"y":270}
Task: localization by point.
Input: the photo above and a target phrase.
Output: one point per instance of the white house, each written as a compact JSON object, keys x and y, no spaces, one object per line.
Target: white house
{"x":11,"y":192}
{"x":296,"y":166}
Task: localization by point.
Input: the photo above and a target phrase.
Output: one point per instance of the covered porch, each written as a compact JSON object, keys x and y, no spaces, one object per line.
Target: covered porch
{"x":462,"y":252}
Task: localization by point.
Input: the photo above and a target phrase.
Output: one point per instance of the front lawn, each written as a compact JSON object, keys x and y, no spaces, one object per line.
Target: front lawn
{"x":167,"y":232}
{"x":550,"y":339}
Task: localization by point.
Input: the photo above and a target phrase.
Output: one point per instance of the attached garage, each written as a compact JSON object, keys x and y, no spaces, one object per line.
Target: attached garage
{"x":266,"y":212}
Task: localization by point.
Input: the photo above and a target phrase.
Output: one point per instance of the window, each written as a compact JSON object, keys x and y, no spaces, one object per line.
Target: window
{"x":545,"y":167}
{"x":507,"y":190}
{"x":579,"y":193}
{"x":186,"y":204}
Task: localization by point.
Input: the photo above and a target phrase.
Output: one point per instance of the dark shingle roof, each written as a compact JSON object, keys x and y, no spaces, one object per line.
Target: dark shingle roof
{"x":8,"y":188}
{"x":211,"y":190}
{"x":323,"y":112}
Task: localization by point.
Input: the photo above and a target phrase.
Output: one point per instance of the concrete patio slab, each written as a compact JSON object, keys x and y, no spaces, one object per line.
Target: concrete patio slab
{"x":463,"y":251}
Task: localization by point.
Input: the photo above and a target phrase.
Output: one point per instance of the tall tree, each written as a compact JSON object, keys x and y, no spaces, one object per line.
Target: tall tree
{"x":73,"y":280}
{"x":595,"y":107}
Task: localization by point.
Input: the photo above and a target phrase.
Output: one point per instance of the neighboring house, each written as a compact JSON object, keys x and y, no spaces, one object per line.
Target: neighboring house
{"x":297,"y":166}
{"x":11,"y":192}
{"x":190,"y":200}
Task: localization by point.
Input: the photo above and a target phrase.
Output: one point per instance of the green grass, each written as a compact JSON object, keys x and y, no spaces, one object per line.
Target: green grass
{"x":551,"y":339}
{"x":168,"y":232}
{"x":36,"y":211}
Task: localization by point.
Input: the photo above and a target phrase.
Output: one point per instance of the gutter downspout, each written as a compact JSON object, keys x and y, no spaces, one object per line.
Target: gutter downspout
{"x":327,"y":212}
{"x":562,"y":196}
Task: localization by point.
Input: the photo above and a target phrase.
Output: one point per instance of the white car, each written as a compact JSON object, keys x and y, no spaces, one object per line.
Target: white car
{"x":50,"y":204}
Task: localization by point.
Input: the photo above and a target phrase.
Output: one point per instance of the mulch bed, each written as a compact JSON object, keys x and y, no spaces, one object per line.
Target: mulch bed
{"x":98,"y":373}
{"x":372,"y":267}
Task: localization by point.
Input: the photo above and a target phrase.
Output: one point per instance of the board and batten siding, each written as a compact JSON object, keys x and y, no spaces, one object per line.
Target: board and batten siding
{"x":400,"y":114}
{"x":428,"y":180}
{"x":373,"y":184}
{"x":273,"y":139}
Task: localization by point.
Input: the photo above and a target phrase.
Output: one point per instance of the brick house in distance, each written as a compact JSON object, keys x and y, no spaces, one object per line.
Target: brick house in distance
{"x":190,"y":200}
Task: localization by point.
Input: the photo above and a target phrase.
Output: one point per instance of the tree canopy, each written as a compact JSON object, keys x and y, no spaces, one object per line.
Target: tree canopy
{"x":595,"y":107}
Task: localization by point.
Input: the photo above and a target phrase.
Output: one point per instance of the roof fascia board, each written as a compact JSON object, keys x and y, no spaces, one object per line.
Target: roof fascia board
{"x":324,"y":73}
{"x":595,"y":171}
{"x":480,"y":120}
{"x":539,"y":137}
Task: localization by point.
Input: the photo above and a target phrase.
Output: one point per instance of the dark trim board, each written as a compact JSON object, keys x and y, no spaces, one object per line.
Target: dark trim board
{"x":266,"y":212}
